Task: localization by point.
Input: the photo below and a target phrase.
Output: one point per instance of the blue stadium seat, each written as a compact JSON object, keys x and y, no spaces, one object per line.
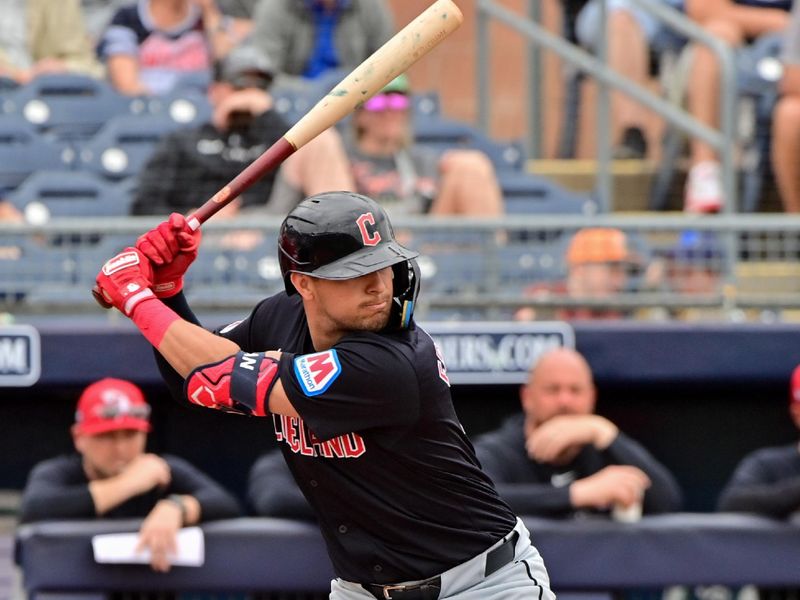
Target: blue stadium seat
{"x":456,"y":270}
{"x":23,"y":151}
{"x":443,"y":134}
{"x":524,"y":264}
{"x":528,"y":194}
{"x":124,"y":144}
{"x":67,"y":194}
{"x":66,"y":106}
{"x":187,"y":107}
{"x":30,"y":267}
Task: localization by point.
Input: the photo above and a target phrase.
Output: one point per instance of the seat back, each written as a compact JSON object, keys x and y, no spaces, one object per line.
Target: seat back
{"x":23,"y":151}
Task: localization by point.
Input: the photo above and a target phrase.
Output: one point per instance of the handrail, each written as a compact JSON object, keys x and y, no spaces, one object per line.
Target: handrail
{"x":720,"y":139}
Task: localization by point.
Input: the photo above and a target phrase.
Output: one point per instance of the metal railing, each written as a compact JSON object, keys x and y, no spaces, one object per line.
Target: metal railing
{"x":471,"y":268}
{"x":721,"y":139}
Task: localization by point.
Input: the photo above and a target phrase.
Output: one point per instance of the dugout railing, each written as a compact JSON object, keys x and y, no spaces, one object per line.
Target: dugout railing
{"x":471,"y":268}
{"x":255,"y":555}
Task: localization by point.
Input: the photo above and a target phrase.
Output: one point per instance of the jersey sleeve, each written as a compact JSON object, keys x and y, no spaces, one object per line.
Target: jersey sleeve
{"x":359,"y":384}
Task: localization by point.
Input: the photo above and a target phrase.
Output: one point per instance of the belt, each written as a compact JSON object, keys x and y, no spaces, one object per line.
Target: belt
{"x":429,"y":589}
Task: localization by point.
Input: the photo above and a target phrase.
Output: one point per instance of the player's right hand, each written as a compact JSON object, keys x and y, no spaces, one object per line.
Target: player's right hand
{"x":124,"y":280}
{"x":171,"y":247}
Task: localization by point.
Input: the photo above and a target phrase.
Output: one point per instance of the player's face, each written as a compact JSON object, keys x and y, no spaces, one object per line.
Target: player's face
{"x":359,"y":304}
{"x":107,"y":454}
{"x":561,"y":386}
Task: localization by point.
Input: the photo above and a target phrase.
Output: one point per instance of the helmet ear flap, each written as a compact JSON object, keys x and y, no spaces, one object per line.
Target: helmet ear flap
{"x":406,"y":289}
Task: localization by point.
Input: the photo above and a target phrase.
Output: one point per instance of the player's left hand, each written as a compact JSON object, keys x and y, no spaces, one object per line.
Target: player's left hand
{"x":171,"y":247}
{"x":125,"y":280}
{"x":559,"y":439}
{"x":158,"y":534}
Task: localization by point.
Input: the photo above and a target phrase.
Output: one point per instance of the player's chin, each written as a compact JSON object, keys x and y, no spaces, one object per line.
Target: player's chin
{"x":374,"y":321}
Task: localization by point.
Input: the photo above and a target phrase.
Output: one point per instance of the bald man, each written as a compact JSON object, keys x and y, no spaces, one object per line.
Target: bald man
{"x":559,"y":458}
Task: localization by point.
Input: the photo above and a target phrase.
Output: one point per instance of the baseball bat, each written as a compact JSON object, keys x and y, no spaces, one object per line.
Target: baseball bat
{"x":405,"y":48}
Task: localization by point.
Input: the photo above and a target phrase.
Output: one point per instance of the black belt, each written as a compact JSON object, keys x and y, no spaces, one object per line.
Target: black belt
{"x":429,"y":589}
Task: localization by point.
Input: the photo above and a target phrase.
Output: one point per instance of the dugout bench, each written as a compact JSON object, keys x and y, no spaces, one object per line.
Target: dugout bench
{"x":276,"y":555}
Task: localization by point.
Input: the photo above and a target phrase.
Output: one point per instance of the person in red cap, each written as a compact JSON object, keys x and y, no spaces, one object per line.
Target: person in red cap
{"x":111,"y":475}
{"x":767,"y":481}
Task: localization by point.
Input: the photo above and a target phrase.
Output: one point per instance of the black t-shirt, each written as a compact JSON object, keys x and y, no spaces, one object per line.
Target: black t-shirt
{"x":58,"y":489}
{"x":379,"y":451}
{"x":190,"y":165}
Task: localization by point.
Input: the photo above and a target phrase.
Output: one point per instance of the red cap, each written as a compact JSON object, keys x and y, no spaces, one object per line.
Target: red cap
{"x":111,"y":405}
{"x":794,"y":391}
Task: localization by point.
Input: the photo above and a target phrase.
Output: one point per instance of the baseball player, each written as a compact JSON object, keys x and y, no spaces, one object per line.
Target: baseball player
{"x":358,"y":396}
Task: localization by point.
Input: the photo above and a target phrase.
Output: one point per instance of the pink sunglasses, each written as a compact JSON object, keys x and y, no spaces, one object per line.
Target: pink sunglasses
{"x":383,"y":102}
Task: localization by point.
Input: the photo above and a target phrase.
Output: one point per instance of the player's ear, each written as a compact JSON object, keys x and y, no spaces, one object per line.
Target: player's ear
{"x":303,"y":284}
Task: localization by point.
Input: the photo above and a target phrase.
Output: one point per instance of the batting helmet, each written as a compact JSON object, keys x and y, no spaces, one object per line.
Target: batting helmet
{"x":342,"y":235}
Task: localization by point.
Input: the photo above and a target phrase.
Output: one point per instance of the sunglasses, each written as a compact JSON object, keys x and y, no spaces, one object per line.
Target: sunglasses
{"x":383,"y":102}
{"x":114,"y":411}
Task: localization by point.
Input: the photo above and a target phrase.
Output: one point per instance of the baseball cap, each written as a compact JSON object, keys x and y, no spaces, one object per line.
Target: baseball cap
{"x":245,"y":66}
{"x":110,"y":405}
{"x":598,"y":245}
{"x":794,"y":388}
{"x":695,"y":246}
{"x":398,"y":85}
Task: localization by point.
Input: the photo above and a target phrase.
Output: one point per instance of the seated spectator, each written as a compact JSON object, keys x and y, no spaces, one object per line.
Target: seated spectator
{"x":407,"y":178}
{"x":632,"y":33}
{"x":112,"y":476}
{"x":272,"y":491}
{"x":785,"y":152}
{"x":191,"y":165}
{"x":559,"y":458}
{"x":156,"y":46}
{"x":734,"y":22}
{"x":310,"y":38}
{"x":600,"y":264}
{"x":767,"y":481}
{"x":40,"y":36}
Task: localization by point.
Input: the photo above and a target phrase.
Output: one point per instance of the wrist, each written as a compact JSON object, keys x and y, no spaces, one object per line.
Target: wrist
{"x":153,"y":318}
{"x":177,"y":500}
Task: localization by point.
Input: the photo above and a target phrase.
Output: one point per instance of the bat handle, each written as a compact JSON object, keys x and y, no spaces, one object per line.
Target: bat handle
{"x":98,"y":296}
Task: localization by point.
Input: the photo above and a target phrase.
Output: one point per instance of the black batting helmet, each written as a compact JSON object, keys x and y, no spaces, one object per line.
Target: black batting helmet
{"x":342,"y":235}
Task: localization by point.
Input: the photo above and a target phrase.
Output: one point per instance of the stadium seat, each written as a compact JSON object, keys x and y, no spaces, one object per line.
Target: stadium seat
{"x":443,"y":134}
{"x":66,"y":106}
{"x":48,"y":194}
{"x":187,"y":107}
{"x":124,"y":144}
{"x":31,"y":267}
{"x":528,"y":194}
{"x":524,"y":264}
{"x":23,"y":151}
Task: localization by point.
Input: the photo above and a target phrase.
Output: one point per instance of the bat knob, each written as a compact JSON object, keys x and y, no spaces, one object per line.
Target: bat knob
{"x":99,"y":297}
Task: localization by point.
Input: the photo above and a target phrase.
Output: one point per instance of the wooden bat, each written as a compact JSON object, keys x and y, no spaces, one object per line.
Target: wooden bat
{"x":405,"y":48}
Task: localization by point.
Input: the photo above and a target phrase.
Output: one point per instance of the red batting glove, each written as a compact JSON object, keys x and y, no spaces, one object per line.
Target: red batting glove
{"x":171,"y":247}
{"x":125,"y":280}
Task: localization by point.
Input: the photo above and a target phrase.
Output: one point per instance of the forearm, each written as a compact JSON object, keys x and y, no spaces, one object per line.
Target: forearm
{"x":109,"y":493}
{"x":186,"y":346}
{"x":74,"y":502}
{"x":775,"y":500}
{"x":750,"y":20}
{"x":536,"y":498}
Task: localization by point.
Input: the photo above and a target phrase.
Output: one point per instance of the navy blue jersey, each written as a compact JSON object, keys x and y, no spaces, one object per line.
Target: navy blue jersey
{"x":378,"y":451}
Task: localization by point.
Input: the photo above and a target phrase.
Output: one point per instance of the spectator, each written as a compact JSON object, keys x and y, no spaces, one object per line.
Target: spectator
{"x":734,"y":22}
{"x":111,"y":476}
{"x":409,"y":179}
{"x":632,"y":34}
{"x":559,"y":458}
{"x":309,"y":38}
{"x":272,"y":492}
{"x":600,"y":265}
{"x":191,"y":165}
{"x":156,"y":46}
{"x":786,"y":119}
{"x":39,"y":36}
{"x":767,"y":481}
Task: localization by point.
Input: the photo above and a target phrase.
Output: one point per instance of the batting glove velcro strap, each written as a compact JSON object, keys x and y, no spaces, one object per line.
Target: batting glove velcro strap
{"x":125,"y":280}
{"x":239,"y":384}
